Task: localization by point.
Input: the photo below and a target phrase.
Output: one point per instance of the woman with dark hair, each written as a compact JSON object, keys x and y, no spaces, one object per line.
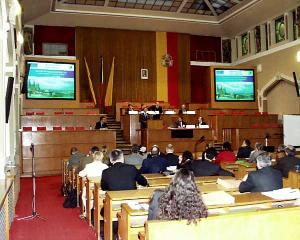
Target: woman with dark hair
{"x":227,"y":155}
{"x":181,"y":200}
{"x":245,"y":150}
{"x":185,"y":160}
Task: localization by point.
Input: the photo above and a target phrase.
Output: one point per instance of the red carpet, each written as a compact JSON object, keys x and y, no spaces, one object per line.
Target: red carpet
{"x":60,"y":224}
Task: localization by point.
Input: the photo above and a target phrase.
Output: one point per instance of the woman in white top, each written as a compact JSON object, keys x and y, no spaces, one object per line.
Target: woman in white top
{"x":92,"y":170}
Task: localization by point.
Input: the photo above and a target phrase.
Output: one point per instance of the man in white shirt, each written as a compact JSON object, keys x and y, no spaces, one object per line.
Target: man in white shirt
{"x":92,"y":170}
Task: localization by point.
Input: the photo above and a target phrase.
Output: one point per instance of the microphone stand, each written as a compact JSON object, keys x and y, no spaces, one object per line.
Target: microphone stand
{"x":34,"y":214}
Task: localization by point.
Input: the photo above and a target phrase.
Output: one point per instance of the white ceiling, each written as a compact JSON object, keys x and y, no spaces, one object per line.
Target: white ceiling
{"x":241,"y":15}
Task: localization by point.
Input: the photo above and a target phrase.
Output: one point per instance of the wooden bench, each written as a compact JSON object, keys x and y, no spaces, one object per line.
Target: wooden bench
{"x":131,"y":221}
{"x":273,"y":224}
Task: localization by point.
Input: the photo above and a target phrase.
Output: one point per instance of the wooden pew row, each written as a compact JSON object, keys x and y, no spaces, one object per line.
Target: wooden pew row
{"x":114,"y":199}
{"x":131,"y":221}
{"x":275,"y":224}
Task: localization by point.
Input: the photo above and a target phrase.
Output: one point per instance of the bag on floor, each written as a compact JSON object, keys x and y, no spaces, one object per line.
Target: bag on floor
{"x":65,"y":189}
{"x":71,"y":199}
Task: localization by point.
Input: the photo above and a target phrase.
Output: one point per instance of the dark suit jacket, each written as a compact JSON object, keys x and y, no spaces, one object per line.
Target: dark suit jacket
{"x":285,"y":164}
{"x":155,"y":164}
{"x":262,"y":180}
{"x":121,"y":176}
{"x":143,"y":119}
{"x":206,"y":168}
{"x":171,"y":159}
{"x":100,"y":125}
{"x":244,"y":152}
{"x":154,"y":108}
{"x":177,"y":124}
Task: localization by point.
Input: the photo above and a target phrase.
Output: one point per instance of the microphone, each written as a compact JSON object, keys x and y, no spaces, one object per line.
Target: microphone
{"x":267,"y":136}
{"x":202,"y":139}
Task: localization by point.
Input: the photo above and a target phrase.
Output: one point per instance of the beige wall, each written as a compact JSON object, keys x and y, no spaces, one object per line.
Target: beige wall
{"x":283,"y":96}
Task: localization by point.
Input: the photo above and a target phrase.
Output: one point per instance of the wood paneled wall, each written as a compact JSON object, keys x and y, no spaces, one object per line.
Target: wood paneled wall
{"x":132,"y":50}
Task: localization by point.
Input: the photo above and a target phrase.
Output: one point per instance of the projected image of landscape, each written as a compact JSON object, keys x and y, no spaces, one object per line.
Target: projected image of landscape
{"x":234,"y":85}
{"x":51,"y":80}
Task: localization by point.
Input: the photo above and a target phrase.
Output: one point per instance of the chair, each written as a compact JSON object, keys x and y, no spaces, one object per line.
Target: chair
{"x":40,"y":113}
{"x":69,"y":113}
{"x":57,"y":128}
{"x":29,"y":113}
{"x":79,"y":128}
{"x":27,"y":129}
{"x":58,"y":113}
{"x":41,"y":128}
{"x":69,"y":128}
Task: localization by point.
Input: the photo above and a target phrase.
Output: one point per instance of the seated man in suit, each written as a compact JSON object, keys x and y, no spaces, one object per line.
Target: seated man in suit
{"x":200,"y":122}
{"x":180,"y":123}
{"x":144,"y":116}
{"x":264,"y":179}
{"x":120,"y":176}
{"x":287,"y":163}
{"x":88,"y":158}
{"x":101,"y":124}
{"x":171,"y":158}
{"x":205,"y":167}
{"x":156,"y":108}
{"x":245,"y":150}
{"x":154,"y":163}
{"x":182,"y":110}
{"x":75,"y":158}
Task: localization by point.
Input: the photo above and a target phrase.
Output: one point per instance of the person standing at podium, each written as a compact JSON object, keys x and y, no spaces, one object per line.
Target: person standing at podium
{"x":144,"y":116}
{"x":156,"y":108}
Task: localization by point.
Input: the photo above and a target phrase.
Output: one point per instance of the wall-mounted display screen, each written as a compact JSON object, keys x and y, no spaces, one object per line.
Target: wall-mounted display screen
{"x":51,"y":80}
{"x":234,"y":85}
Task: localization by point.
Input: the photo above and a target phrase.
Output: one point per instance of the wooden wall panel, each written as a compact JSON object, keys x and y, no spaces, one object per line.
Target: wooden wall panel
{"x":184,"y":68}
{"x":132,"y":50}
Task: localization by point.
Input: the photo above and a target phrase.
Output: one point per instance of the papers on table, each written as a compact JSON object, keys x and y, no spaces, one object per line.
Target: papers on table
{"x":204,"y":126}
{"x":153,"y":112}
{"x":170,"y":112}
{"x":138,"y":206}
{"x":283,"y":194}
{"x":190,"y":126}
{"x":217,"y":198}
{"x":133,"y":112}
{"x":189,"y":112}
{"x":229,"y":183}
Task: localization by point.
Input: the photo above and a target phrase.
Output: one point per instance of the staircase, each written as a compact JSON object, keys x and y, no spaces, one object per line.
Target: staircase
{"x":121,"y":143}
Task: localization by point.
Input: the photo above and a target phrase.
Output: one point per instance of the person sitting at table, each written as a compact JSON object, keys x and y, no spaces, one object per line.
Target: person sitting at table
{"x":206,"y":167}
{"x":288,"y":162}
{"x":134,"y":158}
{"x":171,"y":158}
{"x":154,"y":163}
{"x":264,"y":179}
{"x":156,"y":108}
{"x":245,"y":150}
{"x":144,"y":116}
{"x":74,"y":160}
{"x":180,"y":200}
{"x":129,"y":107}
{"x":101,"y":124}
{"x":256,"y":152}
{"x":120,"y":176}
{"x":93,"y":169}
{"x":182,"y":109}
{"x":200,"y":121}
{"x":180,"y":123}
{"x":88,"y":158}
{"x":185,"y":160}
{"x":226,"y":155}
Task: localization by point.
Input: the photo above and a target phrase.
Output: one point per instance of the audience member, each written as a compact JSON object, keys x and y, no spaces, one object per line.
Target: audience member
{"x":154,"y":163}
{"x":181,"y":200}
{"x":210,"y":153}
{"x":156,"y":108}
{"x":226,"y":155}
{"x":183,"y":109}
{"x":134,"y":158}
{"x":144,"y":116}
{"x":185,"y":160}
{"x":88,"y":158}
{"x":205,"y":167}
{"x":143,"y":152}
{"x":256,"y":152}
{"x":200,"y":121}
{"x":245,"y":150}
{"x":171,"y":158}
{"x":280,"y":153}
{"x":93,"y":169}
{"x":102,"y":123}
{"x":74,"y":160}
{"x":105,"y":151}
{"x":264,"y":179}
{"x":288,"y":162}
{"x":120,"y":176}
{"x":180,"y":123}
